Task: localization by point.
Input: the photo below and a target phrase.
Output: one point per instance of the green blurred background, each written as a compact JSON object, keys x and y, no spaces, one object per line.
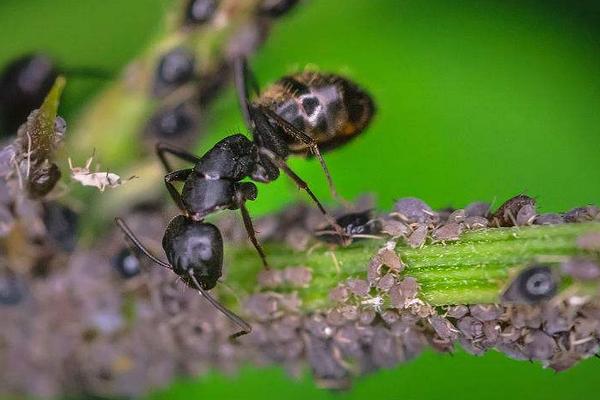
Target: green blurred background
{"x":477,"y":100}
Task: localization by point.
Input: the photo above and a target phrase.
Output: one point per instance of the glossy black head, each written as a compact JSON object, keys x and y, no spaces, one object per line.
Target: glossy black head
{"x":43,"y":179}
{"x":23,"y":85}
{"x":175,"y":68}
{"x":534,"y":284}
{"x":194,"y":246}
{"x":199,"y":12}
{"x":126,"y":263}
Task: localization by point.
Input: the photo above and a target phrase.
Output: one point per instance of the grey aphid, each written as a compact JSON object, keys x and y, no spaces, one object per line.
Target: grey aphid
{"x":297,"y":276}
{"x":471,"y":347}
{"x":457,"y":216}
{"x":347,"y":340}
{"x":512,"y":350}
{"x":318,"y":326}
{"x":339,"y":294}
{"x":539,"y":346}
{"x":526,"y":215}
{"x":335,"y":317}
{"x":349,"y":312}
{"x":444,"y":328}
{"x":470,"y":327}
{"x":476,"y":222}
{"x":386,"y":282}
{"x":270,"y":278}
{"x":457,"y":311}
{"x":582,"y":214}
{"x":549,"y":219}
{"x":477,"y":209}
{"x":449,"y":232}
{"x":417,"y":237}
{"x":358,"y":287}
{"x":366,"y":316}
{"x":384,"y":351}
{"x":485,"y":312}
{"x":390,"y":316}
{"x":320,"y":357}
{"x":581,"y":268}
{"x":413,"y":210}
{"x":261,"y":306}
{"x":394,"y":228}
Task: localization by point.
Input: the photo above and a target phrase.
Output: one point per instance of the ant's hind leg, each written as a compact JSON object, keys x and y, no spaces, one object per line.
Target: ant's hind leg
{"x":165,"y":148}
{"x":241,"y":199}
{"x":281,"y":164}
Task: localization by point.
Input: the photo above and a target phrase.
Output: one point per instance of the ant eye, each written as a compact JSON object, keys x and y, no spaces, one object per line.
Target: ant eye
{"x":200,"y":11}
{"x":126,"y":263}
{"x":176,"y":67}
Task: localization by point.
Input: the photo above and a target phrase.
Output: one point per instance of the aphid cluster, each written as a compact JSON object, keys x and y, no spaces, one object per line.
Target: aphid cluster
{"x":289,"y":117}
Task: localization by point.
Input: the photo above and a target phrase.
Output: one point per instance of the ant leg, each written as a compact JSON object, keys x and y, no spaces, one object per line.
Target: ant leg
{"x":297,"y":134}
{"x":245,"y":82}
{"x":281,"y":164}
{"x":250,"y":228}
{"x":162,"y":148}
{"x":245,"y":327}
{"x":127,"y":231}
{"x":177,"y":176}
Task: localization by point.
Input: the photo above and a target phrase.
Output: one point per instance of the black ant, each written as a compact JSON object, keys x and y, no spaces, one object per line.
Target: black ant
{"x":195,"y":248}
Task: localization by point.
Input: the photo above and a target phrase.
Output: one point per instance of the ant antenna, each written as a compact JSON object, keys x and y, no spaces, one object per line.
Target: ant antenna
{"x":245,"y":327}
{"x":127,"y":231}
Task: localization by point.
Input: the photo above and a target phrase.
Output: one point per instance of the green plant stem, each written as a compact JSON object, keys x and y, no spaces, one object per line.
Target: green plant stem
{"x":474,"y":269}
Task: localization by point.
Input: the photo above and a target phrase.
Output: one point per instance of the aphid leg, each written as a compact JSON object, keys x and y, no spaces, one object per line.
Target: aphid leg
{"x":177,"y":176}
{"x":162,"y":148}
{"x":245,"y":82}
{"x":296,"y":134}
{"x":245,"y":327}
{"x":127,"y":231}
{"x":241,"y":203}
{"x":281,"y":164}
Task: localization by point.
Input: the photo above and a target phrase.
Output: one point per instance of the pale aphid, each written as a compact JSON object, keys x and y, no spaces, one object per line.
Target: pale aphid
{"x":100,"y":180}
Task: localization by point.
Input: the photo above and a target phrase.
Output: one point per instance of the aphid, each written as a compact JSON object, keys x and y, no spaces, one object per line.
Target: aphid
{"x":534,"y":284}
{"x":173,"y":122}
{"x":198,"y":12}
{"x":506,"y":215}
{"x":126,"y":263}
{"x":309,"y":112}
{"x":356,"y":226}
{"x":175,"y":67}
{"x":100,"y":180}
{"x":411,"y":210}
{"x":194,"y":251}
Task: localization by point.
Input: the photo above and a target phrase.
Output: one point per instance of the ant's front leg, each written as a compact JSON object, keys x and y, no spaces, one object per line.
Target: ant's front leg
{"x":300,"y":136}
{"x":247,"y":191}
{"x":177,"y":176}
{"x":165,"y":148}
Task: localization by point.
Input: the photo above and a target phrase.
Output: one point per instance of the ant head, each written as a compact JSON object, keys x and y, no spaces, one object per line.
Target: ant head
{"x":194,"y":247}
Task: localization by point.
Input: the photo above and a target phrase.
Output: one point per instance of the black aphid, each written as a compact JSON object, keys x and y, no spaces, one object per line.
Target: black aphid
{"x":534,"y":284}
{"x":356,"y":226}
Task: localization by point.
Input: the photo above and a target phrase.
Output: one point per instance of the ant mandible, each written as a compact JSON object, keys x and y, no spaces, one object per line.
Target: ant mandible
{"x":194,"y":248}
